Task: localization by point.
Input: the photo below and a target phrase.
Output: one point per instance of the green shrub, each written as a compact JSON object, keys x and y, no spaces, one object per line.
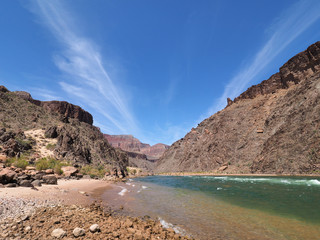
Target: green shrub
{"x":9,"y":162}
{"x":57,"y":169}
{"x":133,"y":171}
{"x":17,"y":162}
{"x":42,"y":164}
{"x":50,"y":163}
{"x":93,"y":171}
{"x":21,"y":163}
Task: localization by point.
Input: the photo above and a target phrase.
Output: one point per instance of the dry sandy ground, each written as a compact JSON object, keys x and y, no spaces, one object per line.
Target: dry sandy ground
{"x":80,"y":192}
{"x":41,"y":142}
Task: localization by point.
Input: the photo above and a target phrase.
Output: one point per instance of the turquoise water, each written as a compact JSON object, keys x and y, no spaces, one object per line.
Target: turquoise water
{"x":293,"y":197}
{"x":211,"y":207}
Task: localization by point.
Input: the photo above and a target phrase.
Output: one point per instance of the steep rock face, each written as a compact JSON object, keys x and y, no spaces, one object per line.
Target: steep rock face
{"x":83,"y":144}
{"x":67,"y":110}
{"x":298,"y":68}
{"x":131,"y":144}
{"x":273,"y":127}
{"x":77,"y":141}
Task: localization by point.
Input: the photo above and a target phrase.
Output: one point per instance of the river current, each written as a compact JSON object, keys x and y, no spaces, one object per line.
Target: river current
{"x":226,"y":207}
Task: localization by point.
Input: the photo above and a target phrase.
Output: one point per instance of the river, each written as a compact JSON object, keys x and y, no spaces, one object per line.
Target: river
{"x":225,"y":207}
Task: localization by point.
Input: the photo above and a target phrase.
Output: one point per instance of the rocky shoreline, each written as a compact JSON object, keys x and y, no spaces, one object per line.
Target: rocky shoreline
{"x":30,"y":215}
{"x":93,"y":222}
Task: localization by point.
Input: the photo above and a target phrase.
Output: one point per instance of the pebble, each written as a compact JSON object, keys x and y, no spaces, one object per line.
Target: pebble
{"x":27,"y":229}
{"x":58,"y":233}
{"x":78,"y":232}
{"x":94,"y":228}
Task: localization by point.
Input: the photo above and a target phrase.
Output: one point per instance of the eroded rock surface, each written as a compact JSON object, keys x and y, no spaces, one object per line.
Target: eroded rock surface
{"x":273,"y":127}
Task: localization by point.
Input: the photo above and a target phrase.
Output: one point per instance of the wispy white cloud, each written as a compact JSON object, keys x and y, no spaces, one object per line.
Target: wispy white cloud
{"x":170,"y":92}
{"x":293,"y":22}
{"x":44,"y":94}
{"x":86,"y":78}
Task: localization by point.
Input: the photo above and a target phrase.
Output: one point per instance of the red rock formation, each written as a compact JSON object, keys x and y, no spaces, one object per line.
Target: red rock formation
{"x":155,"y":151}
{"x":131,"y":144}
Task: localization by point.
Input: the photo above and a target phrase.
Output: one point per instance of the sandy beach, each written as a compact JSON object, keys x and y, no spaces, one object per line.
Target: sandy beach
{"x":79,"y":192}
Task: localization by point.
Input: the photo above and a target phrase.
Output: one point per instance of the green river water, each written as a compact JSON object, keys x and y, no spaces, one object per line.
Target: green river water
{"x":230,"y":207}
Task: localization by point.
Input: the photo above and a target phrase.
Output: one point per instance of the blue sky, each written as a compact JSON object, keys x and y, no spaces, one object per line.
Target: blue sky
{"x":153,"y":69}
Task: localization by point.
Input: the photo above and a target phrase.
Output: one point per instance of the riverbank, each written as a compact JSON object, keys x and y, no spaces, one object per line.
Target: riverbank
{"x":26,"y":213}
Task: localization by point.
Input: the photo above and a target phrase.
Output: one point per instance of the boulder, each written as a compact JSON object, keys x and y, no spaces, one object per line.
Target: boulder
{"x":50,"y":179}
{"x":39,"y":175}
{"x":79,"y":175}
{"x":49,"y":171}
{"x":69,"y":171}
{"x":78,"y":232}
{"x":23,"y":177}
{"x":58,"y":233}
{"x":223,"y":168}
{"x":7,"y":176}
{"x":36,"y":183}
{"x":30,"y":168}
{"x":25,"y":183}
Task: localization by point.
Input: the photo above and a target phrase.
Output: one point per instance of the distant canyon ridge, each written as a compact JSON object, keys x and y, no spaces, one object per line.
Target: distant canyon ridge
{"x":131,"y":144}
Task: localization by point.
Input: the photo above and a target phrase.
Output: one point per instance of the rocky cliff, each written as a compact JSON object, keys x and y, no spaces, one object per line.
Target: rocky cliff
{"x":65,"y":109}
{"x":77,"y":140}
{"x":131,"y":144}
{"x":273,"y":127}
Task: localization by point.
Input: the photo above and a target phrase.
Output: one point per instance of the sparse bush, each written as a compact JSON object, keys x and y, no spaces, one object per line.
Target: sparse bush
{"x":51,"y":163}
{"x":57,"y":169}
{"x":9,"y":162}
{"x":93,"y":171}
{"x":133,"y":171}
{"x":21,"y":163}
{"x":42,"y":164}
{"x":17,"y":162}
